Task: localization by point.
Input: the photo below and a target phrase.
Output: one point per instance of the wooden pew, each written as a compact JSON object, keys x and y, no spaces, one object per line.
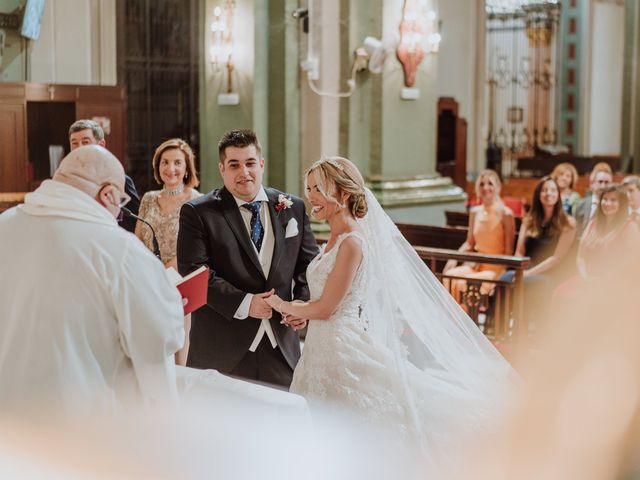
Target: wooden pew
{"x":10,"y":199}
{"x":432,"y":236}
{"x":424,"y":235}
{"x":461,"y":219}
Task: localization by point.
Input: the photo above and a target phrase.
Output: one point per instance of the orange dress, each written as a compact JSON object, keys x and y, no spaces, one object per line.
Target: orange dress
{"x":489,"y":235}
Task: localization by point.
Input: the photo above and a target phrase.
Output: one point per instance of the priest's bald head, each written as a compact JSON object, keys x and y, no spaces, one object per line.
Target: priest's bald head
{"x":98,"y":173}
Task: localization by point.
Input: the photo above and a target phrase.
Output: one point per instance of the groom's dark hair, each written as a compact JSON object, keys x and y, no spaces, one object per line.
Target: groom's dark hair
{"x":239,"y":139}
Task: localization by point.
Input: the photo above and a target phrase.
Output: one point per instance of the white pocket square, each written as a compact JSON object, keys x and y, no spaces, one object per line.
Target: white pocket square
{"x":292,"y":228}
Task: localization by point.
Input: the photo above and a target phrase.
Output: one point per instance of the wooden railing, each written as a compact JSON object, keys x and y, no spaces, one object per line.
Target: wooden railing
{"x":499,"y":313}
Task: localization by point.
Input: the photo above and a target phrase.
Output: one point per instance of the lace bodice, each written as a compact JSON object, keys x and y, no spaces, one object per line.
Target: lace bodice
{"x":165,"y":224}
{"x":351,"y":309}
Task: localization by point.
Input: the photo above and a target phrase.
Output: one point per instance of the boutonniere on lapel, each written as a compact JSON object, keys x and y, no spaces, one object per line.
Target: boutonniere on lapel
{"x":284,"y":202}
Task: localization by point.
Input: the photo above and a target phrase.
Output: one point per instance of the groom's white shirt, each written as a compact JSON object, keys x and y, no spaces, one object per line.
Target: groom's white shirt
{"x":264,"y":255}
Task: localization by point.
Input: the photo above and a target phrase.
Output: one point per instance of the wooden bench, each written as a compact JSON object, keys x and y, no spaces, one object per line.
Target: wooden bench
{"x":10,"y":199}
{"x":461,"y":219}
{"x":433,"y":236}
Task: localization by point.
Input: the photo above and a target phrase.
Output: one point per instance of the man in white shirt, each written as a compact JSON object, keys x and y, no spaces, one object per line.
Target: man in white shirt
{"x":632,"y":187}
{"x":88,"y":319}
{"x":255,"y":240}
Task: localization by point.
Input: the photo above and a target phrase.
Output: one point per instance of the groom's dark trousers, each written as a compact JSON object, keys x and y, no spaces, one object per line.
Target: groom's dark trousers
{"x":212,"y":233}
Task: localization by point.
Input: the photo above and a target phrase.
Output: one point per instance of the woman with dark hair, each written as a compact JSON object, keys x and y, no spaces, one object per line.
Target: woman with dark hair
{"x":174,"y":168}
{"x":546,"y":236}
{"x":609,"y":230}
{"x":606,"y":241}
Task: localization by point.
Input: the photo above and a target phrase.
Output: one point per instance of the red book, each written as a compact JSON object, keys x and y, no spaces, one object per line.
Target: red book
{"x":193,"y":288}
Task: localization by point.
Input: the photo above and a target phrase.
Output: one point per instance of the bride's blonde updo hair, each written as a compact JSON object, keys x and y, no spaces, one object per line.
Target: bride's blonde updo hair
{"x":337,"y":175}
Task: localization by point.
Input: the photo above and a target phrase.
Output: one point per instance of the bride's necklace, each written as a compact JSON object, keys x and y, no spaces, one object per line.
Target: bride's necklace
{"x":172,"y":192}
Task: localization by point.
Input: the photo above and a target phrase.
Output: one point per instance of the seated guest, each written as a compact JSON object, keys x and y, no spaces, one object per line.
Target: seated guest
{"x":546,"y":236}
{"x":174,"y":168}
{"x":566,"y":176}
{"x":89,"y":132}
{"x":88,"y":318}
{"x":632,"y":187}
{"x":611,"y":232}
{"x":491,"y":231}
{"x":599,"y":179}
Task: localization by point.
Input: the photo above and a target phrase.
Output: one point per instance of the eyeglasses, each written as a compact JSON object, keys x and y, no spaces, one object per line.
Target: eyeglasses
{"x":123,"y":198}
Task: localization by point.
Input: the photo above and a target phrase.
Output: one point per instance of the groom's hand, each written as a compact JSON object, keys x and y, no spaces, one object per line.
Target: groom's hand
{"x":258,"y":307}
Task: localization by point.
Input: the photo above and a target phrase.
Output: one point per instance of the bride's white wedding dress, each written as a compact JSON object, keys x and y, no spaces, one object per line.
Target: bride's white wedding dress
{"x":396,"y":351}
{"x":340,"y":363}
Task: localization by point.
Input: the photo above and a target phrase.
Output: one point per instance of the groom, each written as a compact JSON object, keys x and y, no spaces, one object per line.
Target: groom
{"x":254,"y":240}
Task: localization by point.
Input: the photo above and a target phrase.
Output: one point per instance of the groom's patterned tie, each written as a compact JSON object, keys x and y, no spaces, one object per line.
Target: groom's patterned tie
{"x":257,"y":230}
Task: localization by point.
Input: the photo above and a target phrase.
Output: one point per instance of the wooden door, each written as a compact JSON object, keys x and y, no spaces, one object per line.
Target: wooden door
{"x":109,"y":103}
{"x":14,"y":169}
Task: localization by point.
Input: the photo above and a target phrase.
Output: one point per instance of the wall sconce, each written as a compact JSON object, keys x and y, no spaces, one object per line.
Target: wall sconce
{"x":221,"y":50}
{"x":419,"y":36}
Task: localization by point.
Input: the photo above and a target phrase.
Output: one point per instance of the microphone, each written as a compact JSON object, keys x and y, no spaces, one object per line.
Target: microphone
{"x":156,"y":247}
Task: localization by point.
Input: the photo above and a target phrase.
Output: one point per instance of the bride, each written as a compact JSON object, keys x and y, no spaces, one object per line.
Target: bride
{"x":385,"y":339}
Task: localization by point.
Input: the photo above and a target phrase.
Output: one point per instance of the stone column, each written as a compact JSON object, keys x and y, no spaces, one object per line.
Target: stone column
{"x":392,"y":140}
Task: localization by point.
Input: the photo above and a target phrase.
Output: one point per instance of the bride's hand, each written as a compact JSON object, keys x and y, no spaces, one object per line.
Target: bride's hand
{"x":274,"y":301}
{"x":296,"y":323}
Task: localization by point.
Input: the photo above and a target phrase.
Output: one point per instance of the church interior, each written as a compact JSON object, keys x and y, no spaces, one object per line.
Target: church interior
{"x":423,"y":96}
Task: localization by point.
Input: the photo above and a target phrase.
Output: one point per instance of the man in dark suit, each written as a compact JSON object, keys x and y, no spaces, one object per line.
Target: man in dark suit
{"x":89,"y":132}
{"x":586,"y":208}
{"x":256,"y":241}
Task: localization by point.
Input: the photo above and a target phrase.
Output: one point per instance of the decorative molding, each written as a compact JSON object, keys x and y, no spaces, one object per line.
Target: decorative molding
{"x":417,"y":190}
{"x":619,"y":3}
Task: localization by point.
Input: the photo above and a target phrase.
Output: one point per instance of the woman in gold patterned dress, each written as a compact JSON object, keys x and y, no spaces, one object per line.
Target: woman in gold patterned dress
{"x":174,"y":168}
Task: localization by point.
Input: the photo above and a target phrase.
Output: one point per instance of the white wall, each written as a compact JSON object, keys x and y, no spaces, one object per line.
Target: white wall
{"x":77,"y":43}
{"x":605,"y":95}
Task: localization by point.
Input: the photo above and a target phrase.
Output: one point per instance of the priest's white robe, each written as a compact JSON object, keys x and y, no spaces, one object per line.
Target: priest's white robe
{"x":88,"y":318}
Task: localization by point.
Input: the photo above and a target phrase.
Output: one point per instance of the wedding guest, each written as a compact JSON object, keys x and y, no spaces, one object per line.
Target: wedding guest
{"x":631,"y":184}
{"x":599,"y":179}
{"x":174,"y":168}
{"x":566,"y":176}
{"x":608,"y":232}
{"x":546,"y":236}
{"x":89,"y":132}
{"x":491,"y":231}
{"x":611,"y":232}
{"x":88,"y":319}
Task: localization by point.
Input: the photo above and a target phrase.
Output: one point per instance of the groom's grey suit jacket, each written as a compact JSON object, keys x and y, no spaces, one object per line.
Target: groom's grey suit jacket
{"x":212,"y":233}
